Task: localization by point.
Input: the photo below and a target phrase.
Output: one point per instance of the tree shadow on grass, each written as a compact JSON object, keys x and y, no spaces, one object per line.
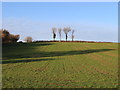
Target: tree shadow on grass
{"x":65,"y":53}
{"x":53,"y":54}
{"x":25,"y":44}
{"x":21,"y":50}
{"x":24,"y":61}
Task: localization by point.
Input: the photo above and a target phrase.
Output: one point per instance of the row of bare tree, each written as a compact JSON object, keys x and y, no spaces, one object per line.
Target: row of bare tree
{"x":65,"y":30}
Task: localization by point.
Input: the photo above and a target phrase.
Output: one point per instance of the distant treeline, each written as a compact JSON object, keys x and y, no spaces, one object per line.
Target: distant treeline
{"x":7,"y":37}
{"x":73,"y":41}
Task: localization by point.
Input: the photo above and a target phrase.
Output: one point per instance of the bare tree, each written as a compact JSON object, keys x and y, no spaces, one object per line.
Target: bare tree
{"x":73,"y":34}
{"x":59,"y":30}
{"x":66,"y":30}
{"x":54,"y":32}
{"x":28,"y":39}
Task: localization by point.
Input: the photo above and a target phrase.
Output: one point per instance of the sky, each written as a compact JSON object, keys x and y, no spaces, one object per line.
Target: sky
{"x":92,"y":21}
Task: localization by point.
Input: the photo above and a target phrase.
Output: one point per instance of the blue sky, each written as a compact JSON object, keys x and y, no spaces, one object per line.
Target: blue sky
{"x":96,"y":21}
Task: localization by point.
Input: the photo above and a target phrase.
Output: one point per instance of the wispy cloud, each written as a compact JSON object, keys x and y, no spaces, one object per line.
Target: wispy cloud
{"x":41,"y":30}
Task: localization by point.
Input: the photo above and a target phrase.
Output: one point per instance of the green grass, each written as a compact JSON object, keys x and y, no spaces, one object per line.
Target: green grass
{"x":60,"y":65}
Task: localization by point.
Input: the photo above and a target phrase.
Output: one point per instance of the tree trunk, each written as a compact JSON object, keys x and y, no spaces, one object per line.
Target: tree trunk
{"x":54,"y":36}
{"x":66,"y":37}
{"x":60,"y":38}
{"x":72,"y":37}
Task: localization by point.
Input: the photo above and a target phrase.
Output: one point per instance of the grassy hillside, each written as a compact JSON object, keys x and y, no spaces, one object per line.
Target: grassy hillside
{"x":60,"y":65}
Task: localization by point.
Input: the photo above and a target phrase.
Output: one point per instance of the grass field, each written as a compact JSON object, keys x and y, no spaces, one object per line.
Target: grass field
{"x":60,"y":65}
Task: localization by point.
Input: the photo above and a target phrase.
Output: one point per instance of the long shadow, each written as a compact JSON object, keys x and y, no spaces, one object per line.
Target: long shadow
{"x":16,"y":50}
{"x":24,"y":61}
{"x":54,"y":54}
{"x":64,"y":53}
{"x":33,"y":44}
